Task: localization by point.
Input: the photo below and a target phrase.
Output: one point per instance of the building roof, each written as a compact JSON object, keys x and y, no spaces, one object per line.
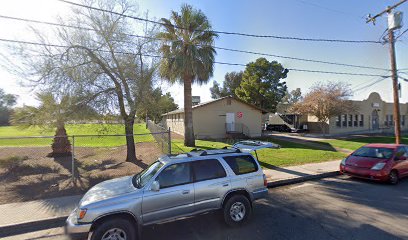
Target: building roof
{"x":181,"y":110}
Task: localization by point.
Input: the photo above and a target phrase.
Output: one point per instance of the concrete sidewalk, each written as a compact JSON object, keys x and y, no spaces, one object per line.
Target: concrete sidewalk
{"x":33,"y":211}
{"x":41,"y":214}
{"x":289,"y":175}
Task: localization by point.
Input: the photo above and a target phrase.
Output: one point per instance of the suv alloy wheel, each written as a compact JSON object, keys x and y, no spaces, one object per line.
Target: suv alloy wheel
{"x":115,"y":229}
{"x":237,"y":210}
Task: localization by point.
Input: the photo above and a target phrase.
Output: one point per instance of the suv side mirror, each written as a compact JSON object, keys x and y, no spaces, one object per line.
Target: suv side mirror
{"x":155,"y":187}
{"x":400,"y":158}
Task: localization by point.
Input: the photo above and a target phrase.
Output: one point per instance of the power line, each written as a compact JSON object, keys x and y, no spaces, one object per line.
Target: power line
{"x":371,"y":84}
{"x":338,"y":73}
{"x":222,"y":63}
{"x":400,"y":35}
{"x":329,"y":9}
{"x":221,"y":48}
{"x":300,"y":59}
{"x":223,"y":32}
{"x":364,"y":83}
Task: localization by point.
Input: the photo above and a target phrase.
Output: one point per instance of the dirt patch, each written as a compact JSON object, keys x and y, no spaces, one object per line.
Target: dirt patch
{"x":27,"y":174}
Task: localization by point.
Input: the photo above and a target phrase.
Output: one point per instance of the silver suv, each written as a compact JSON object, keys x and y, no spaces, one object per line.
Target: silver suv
{"x":173,"y":187}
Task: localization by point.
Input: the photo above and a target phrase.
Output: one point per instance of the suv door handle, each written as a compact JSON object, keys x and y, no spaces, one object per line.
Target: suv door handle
{"x":185,"y":192}
{"x":225,"y":184}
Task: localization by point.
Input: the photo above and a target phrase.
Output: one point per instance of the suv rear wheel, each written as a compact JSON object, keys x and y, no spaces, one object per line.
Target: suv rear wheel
{"x":237,"y":210}
{"x":115,"y":229}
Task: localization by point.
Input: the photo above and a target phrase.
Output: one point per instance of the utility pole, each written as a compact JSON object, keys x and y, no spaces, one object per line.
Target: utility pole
{"x":394,"y":76}
{"x":394,"y":22}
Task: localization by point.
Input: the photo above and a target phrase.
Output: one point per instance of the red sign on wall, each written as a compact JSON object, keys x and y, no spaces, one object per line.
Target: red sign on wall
{"x":240,"y":114}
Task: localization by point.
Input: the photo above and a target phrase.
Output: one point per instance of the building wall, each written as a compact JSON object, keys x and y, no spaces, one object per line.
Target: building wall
{"x":209,"y":120}
{"x":363,"y":120}
{"x":175,"y":122}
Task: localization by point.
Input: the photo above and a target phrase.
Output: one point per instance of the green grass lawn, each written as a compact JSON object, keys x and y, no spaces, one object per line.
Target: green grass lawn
{"x":289,"y":153}
{"x":354,"y":143}
{"x":73,"y":129}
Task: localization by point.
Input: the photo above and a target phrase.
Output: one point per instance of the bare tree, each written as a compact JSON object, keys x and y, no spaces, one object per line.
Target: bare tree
{"x":324,"y":101}
{"x":100,"y":55}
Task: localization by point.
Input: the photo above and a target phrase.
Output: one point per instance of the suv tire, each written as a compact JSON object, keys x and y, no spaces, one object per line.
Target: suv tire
{"x":237,"y":210}
{"x":120,"y":227}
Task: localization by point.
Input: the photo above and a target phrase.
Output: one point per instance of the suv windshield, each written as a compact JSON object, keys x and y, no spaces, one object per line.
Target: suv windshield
{"x":140,"y":179}
{"x":373,"y":152}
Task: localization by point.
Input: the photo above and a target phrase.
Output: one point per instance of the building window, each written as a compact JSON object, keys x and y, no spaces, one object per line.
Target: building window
{"x":350,"y":121}
{"x":356,"y":120}
{"x":338,"y":121}
{"x":386,"y":120}
{"x":403,"y":120}
{"x":361,"y":120}
{"x":344,"y":120}
{"x":391,"y":122}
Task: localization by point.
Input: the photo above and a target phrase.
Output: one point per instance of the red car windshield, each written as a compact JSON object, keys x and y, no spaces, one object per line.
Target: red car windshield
{"x":374,"y":152}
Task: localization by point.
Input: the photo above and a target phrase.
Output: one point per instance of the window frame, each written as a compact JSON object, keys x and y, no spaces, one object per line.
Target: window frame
{"x":361,"y":122}
{"x":236,"y":156}
{"x":206,"y":179}
{"x":344,"y":120}
{"x":338,"y":121}
{"x":191,"y":175}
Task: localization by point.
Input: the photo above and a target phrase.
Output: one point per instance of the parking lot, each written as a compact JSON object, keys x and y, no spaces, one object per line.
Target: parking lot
{"x":332,"y":208}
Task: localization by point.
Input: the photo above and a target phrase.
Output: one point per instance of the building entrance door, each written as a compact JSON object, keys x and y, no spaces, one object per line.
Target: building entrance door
{"x":374,"y":120}
{"x":230,"y":122}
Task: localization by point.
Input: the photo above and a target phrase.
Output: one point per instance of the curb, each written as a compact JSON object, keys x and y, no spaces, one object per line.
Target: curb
{"x":26,"y":227}
{"x":21,"y":228}
{"x":286,"y":182}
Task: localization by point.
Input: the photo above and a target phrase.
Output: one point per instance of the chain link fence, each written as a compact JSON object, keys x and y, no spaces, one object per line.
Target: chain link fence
{"x":31,"y":168}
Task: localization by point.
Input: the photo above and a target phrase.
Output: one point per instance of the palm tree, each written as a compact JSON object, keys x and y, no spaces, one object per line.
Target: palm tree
{"x":188,"y":56}
{"x":53,"y":112}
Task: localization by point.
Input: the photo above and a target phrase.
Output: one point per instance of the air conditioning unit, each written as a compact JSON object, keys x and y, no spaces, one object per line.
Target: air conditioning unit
{"x":394,"y":20}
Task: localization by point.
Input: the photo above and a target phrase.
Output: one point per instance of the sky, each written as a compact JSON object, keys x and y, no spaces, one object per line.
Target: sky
{"x":329,"y":19}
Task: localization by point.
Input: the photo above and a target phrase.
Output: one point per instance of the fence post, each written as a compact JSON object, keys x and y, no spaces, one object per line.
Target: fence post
{"x":73,"y":158}
{"x":162,"y":141}
{"x":169,"y":141}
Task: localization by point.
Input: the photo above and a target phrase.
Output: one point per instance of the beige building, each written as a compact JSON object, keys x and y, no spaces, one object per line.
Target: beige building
{"x":219,"y":118}
{"x":373,"y":116}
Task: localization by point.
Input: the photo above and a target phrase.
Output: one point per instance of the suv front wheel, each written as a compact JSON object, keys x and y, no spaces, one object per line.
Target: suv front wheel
{"x":115,"y":229}
{"x":237,"y":210}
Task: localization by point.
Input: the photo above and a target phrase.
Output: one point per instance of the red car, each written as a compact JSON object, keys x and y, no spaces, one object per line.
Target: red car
{"x":379,"y":162}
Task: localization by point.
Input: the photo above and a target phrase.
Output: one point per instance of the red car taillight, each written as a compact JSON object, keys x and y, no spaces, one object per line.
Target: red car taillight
{"x":265,"y":182}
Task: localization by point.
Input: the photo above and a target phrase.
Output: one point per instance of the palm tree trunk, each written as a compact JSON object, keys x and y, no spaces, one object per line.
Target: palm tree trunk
{"x":189,"y":140}
{"x":130,"y":141}
{"x":61,"y":145}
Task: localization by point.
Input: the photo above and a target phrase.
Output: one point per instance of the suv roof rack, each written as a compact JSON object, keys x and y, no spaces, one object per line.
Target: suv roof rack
{"x":217,"y":151}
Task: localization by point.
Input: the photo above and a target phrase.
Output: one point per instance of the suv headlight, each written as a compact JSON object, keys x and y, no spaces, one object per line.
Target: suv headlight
{"x":343,"y":162}
{"x":378,"y":166}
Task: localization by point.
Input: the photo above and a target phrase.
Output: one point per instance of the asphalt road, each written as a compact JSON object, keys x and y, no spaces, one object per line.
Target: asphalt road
{"x":333,"y":208}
